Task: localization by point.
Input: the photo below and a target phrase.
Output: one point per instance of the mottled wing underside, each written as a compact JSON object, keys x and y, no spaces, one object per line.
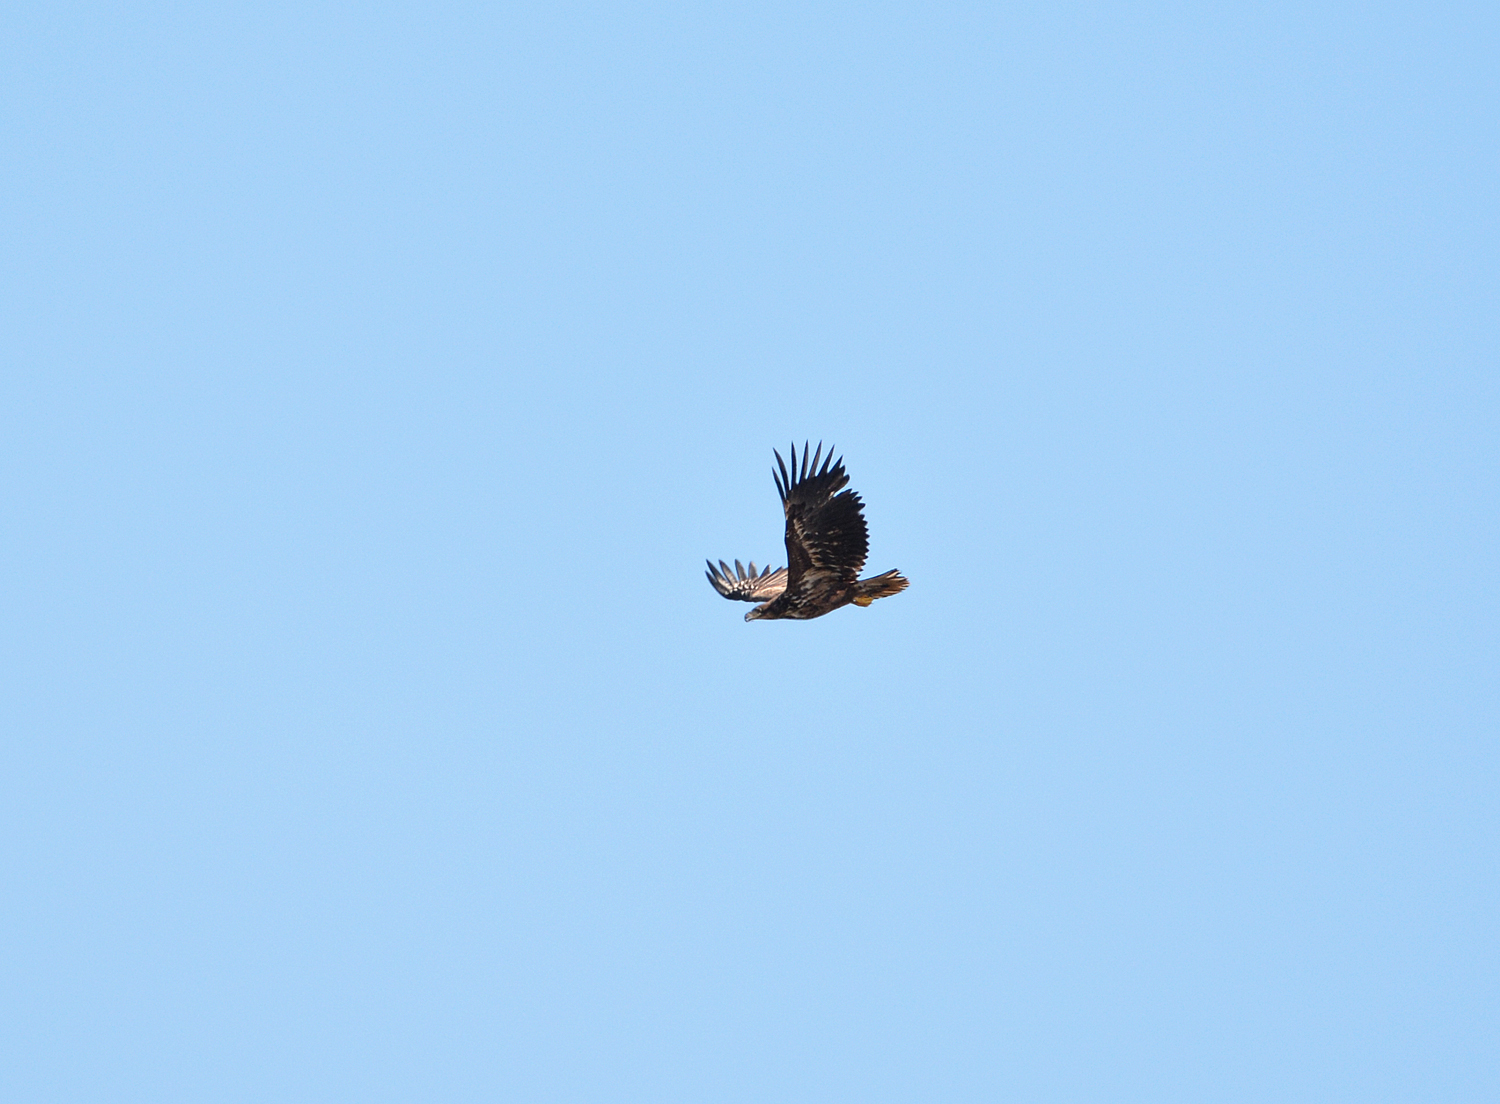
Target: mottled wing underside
{"x":746,"y":586}
{"x":825,"y":531}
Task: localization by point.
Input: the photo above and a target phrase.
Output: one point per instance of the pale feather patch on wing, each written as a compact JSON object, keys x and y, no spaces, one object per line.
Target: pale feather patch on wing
{"x":746,"y":586}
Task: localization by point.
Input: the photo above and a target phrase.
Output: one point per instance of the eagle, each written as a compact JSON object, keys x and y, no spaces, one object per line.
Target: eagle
{"x":826,"y":543}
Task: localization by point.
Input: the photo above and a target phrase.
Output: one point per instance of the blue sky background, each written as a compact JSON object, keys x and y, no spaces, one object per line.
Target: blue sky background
{"x":378,"y":377}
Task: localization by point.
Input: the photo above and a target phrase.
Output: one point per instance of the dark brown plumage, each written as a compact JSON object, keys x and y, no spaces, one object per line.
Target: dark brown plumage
{"x":826,"y":544}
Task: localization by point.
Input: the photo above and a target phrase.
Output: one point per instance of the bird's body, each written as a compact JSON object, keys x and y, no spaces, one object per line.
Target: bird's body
{"x":826,"y":545}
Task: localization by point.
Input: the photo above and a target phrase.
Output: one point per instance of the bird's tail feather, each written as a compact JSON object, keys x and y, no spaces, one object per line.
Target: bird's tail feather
{"x":879,"y":586}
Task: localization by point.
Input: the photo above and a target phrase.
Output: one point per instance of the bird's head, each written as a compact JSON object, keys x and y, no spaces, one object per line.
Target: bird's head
{"x":755,"y":614}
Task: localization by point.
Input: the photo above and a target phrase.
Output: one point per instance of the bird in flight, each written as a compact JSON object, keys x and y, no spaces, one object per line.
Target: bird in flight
{"x":826,"y":544}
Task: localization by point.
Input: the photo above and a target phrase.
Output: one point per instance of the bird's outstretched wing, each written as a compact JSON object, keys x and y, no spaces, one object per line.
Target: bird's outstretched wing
{"x":745,"y":586}
{"x":825,"y":531}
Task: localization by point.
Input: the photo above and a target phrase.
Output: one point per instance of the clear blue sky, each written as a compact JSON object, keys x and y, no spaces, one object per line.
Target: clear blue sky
{"x":377,"y":378}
